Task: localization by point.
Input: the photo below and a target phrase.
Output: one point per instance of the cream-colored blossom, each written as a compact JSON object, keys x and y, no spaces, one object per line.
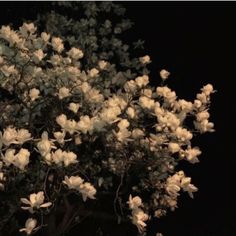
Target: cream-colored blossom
{"x":75,"y":53}
{"x":145,"y":59}
{"x":74,"y":107}
{"x":57,"y":44}
{"x":164,"y":74}
{"x":35,"y":201}
{"x":30,"y":226}
{"x":34,"y":94}
{"x":63,"y":93}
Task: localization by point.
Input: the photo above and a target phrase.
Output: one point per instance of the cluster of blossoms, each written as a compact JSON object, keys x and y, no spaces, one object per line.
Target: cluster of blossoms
{"x":60,"y":119}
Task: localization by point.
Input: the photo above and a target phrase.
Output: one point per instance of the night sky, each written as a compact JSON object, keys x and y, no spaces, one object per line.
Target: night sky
{"x":196,"y":43}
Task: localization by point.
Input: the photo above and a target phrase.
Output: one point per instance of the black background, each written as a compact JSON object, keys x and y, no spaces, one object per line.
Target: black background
{"x":196,"y":42}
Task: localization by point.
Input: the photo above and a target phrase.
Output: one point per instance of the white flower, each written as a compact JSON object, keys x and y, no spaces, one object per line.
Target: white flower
{"x":131,"y":112}
{"x":146,"y":102}
{"x":70,"y":126}
{"x":184,"y":105}
{"x":145,"y":59}
{"x":142,"y":81}
{"x":173,"y":147}
{"x":74,"y":107}
{"x":102,"y":64}
{"x":57,"y":44}
{"x":207,"y":89}
{"x":22,"y":158}
{"x":58,"y":157}
{"x":164,"y":74}
{"x":34,"y":94}
{"x":59,"y":136}
{"x":30,"y":225}
{"x":130,"y":86}
{"x":44,"y":145}
{"x":9,"y":136}
{"x":45,"y":37}
{"x":23,"y":135}
{"x":137,"y":133}
{"x":73,"y":182}
{"x":69,"y":158}
{"x":9,"y":157}
{"x":10,"y":35}
{"x":197,"y":103}
{"x":123,"y":124}
{"x":75,"y":53}
{"x":183,"y":134}
{"x":64,"y":92}
{"x":8,"y":70}
{"x":187,"y":186}
{"x":191,"y":154}
{"x":25,"y":29}
{"x":204,"y":126}
{"x":61,"y":120}
{"x":93,"y":73}
{"x":87,"y":190}
{"x":36,"y":201}
{"x":38,"y":55}
{"x":134,"y":202}
{"x":139,"y":218}
{"x":203,"y":115}
{"x":166,"y":93}
{"x":85,"y":124}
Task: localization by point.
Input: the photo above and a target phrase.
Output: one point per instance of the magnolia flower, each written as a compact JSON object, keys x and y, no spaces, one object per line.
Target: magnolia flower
{"x":166,"y":93}
{"x":183,"y":134}
{"x":23,"y":135}
{"x":191,"y":154}
{"x":26,"y":29}
{"x":22,"y":158}
{"x":45,"y":37}
{"x":8,"y":70}
{"x":9,"y":157}
{"x":38,"y":55}
{"x":73,"y":182}
{"x":137,"y":133}
{"x":63,"y":92}
{"x":102,"y":64}
{"x":93,"y":73}
{"x":59,"y":157}
{"x":145,"y":60}
{"x":146,"y":102}
{"x":74,"y":107}
{"x":57,"y":44}
{"x":173,"y":147}
{"x":204,"y":126}
{"x":207,"y":89}
{"x":61,"y":120}
{"x":85,"y":124}
{"x":142,"y":81}
{"x":30,"y":225}
{"x":9,"y":136}
{"x":130,"y":86}
{"x":131,"y":112}
{"x":75,"y":53}
{"x":164,"y":74}
{"x":187,"y":186}
{"x":36,"y":201}
{"x":139,"y":218}
{"x":87,"y":190}
{"x":59,"y":136}
{"x":34,"y":94}
{"x":134,"y":202}
{"x":123,"y":124}
{"x":44,"y":145}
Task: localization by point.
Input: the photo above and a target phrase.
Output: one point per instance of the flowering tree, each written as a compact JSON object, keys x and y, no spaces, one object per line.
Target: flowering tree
{"x":74,"y":132}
